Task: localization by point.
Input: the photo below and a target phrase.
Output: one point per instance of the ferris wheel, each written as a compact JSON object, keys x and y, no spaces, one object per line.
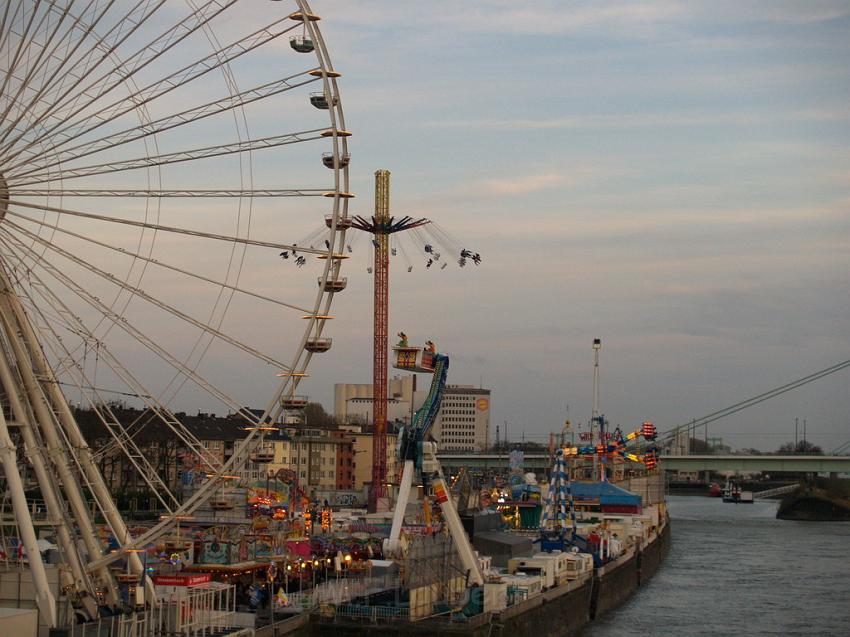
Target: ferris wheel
{"x":156,"y":160}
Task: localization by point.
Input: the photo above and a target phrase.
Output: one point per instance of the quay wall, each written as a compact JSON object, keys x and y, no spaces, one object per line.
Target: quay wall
{"x":556,"y":613}
{"x":559,"y":612}
{"x":652,"y":555}
{"x":613,"y":584}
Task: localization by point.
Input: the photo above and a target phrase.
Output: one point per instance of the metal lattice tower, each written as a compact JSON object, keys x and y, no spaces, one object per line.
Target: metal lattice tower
{"x":379,"y":361}
{"x":382,"y":225}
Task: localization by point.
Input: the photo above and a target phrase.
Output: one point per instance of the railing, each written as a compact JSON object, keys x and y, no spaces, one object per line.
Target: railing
{"x":769,"y":493}
{"x":201,"y":613}
{"x":372,"y":614}
{"x":133,"y":625}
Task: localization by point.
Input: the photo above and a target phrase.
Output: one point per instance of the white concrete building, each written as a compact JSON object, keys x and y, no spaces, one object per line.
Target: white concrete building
{"x":353,"y":401}
{"x":463,"y":423}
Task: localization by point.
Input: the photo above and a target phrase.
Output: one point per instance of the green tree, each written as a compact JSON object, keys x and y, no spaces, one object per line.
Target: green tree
{"x":802,"y":447}
{"x":315,"y":415}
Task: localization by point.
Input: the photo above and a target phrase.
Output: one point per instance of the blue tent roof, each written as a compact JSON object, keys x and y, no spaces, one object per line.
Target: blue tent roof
{"x":605,"y":492}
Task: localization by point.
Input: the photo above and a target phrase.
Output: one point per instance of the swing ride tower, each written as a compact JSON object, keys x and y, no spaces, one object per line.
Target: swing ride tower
{"x":381,"y":226}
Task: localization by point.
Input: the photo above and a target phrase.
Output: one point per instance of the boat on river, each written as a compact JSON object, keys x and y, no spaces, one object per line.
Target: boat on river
{"x":732,"y":493}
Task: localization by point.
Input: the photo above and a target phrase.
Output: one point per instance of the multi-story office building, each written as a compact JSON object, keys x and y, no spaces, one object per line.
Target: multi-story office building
{"x":463,"y":422}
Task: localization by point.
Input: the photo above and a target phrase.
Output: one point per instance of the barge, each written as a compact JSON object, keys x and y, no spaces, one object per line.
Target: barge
{"x":516,"y":605}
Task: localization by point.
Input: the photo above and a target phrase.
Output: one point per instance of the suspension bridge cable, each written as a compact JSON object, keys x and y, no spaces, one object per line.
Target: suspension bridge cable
{"x":728,"y":411}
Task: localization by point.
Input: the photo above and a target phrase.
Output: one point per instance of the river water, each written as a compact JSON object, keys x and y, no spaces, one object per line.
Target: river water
{"x":734,"y":569}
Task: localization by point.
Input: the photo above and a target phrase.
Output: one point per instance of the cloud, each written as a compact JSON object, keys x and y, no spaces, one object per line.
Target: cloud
{"x":681,"y":118}
{"x":521,"y":185}
{"x":632,"y":20}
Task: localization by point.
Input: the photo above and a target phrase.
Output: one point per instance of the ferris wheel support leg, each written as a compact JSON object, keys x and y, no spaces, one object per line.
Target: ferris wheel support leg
{"x":43,"y":597}
{"x":80,"y":579}
{"x":92,"y":474}
{"x":26,"y":351}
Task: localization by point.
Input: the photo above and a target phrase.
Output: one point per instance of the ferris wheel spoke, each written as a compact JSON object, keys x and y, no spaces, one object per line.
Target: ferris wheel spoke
{"x":140,"y":293}
{"x":34,"y":67}
{"x":64,"y":62}
{"x":4,"y":33}
{"x":194,"y":154}
{"x":104,"y":49}
{"x":15,"y":60}
{"x":100,"y":407}
{"x":155,"y":226}
{"x":67,"y":319}
{"x":66,"y":128}
{"x":126,"y":326}
{"x":167,"y":266}
{"x":157,"y":194}
{"x":98,"y":53}
{"x":189,"y":116}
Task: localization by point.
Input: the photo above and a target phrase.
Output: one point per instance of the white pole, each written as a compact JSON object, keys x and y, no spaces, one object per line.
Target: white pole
{"x":391,"y":544}
{"x":594,"y":422}
{"x":43,"y":596}
{"x":467,"y":556}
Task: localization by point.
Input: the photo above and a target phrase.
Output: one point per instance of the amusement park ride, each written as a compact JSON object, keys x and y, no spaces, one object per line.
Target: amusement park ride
{"x":385,"y":231}
{"x":420,"y":464}
{"x":116,"y":282}
{"x":558,"y":513}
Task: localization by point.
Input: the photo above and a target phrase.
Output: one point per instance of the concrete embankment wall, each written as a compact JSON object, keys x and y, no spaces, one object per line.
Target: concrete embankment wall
{"x":651,"y":557}
{"x":613,"y":584}
{"x":555,"y":613}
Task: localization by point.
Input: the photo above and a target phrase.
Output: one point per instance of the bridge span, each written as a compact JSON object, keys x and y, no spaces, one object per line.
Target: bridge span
{"x":541,"y":462}
{"x":768,"y":464}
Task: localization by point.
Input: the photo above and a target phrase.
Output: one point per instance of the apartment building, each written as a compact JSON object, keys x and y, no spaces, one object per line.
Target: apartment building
{"x":322,"y":458}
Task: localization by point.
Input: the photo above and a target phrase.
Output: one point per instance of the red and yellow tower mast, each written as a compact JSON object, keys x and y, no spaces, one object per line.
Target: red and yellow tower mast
{"x":381,"y":226}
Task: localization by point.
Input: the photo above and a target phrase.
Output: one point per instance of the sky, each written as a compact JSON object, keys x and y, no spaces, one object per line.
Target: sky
{"x":670,"y":177}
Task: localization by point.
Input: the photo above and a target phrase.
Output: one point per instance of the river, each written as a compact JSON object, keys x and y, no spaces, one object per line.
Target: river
{"x":734,"y":569}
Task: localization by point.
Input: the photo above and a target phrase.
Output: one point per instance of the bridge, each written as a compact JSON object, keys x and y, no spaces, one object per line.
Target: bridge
{"x":768,"y":464}
{"x":541,"y":463}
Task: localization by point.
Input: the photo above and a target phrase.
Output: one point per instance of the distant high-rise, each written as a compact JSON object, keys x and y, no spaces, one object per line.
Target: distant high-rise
{"x":462,"y":424}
